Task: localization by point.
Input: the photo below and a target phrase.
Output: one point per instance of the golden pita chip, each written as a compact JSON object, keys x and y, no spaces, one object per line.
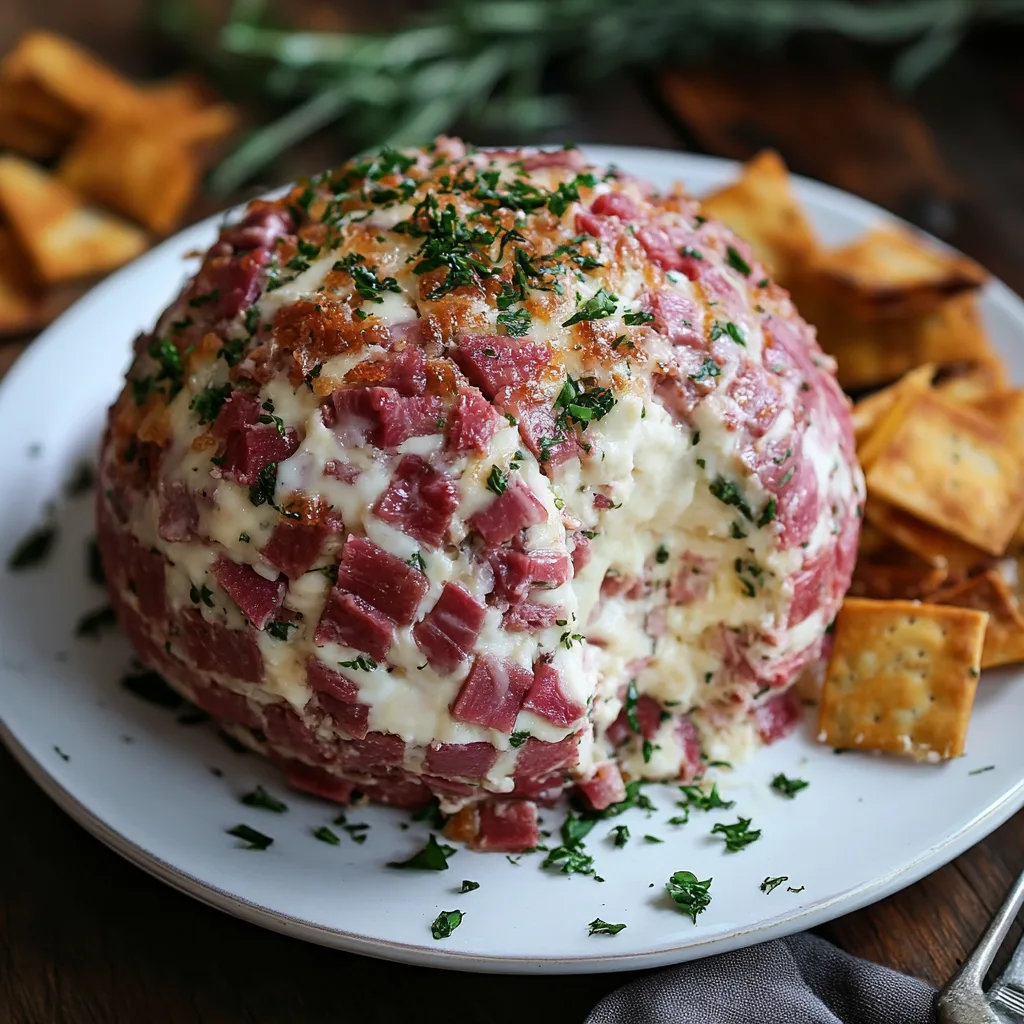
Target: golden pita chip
{"x":21,"y":308}
{"x":70,"y":77}
{"x":63,"y":238}
{"x":949,"y":466}
{"x":902,"y":678}
{"x":1004,"y":638}
{"x":870,"y":353}
{"x":932,"y":545}
{"x":891,"y":271}
{"x":969,"y":382}
{"x":761,"y":208}
{"x":886,"y":581}
{"x":184,"y":111}
{"x":141,"y":173}
{"x":868,"y":413}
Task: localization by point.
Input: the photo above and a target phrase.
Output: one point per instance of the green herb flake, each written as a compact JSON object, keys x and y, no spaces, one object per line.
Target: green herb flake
{"x":736,"y":261}
{"x":33,"y":549}
{"x":578,"y":404}
{"x":497,"y":481}
{"x":977,"y":771}
{"x":279,"y":630}
{"x":433,"y":857}
{"x":767,"y":514}
{"x":603,"y":304}
{"x":206,"y":404}
{"x":517,"y":739}
{"x":773,"y":883}
{"x":599,"y":927}
{"x":705,"y":801}
{"x":262,"y":492}
{"x":445,"y":923}
{"x":788,"y":787}
{"x":638,"y":318}
{"x":327,"y":835}
{"x":518,"y":323}
{"x":364,"y":663}
{"x":620,"y":834}
{"x":81,"y":480}
{"x":259,"y":797}
{"x":93,"y":624}
{"x":653,"y":839}
{"x":60,"y":753}
{"x":254,"y":840}
{"x":738,"y":835}
{"x":722,"y":328}
{"x":151,"y":687}
{"x":691,"y":896}
{"x":468,"y":886}
{"x":729,"y":494}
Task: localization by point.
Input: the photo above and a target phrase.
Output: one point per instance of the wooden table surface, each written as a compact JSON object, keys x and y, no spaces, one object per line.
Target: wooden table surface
{"x":85,"y":937}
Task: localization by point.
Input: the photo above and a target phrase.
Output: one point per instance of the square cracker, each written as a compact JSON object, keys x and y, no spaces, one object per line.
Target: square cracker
{"x":1004,"y":638}
{"x":952,"y":467}
{"x":932,"y":545}
{"x":902,"y":678}
{"x":876,"y":418}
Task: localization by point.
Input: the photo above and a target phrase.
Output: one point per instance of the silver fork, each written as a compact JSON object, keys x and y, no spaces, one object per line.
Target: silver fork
{"x":963,"y":1001}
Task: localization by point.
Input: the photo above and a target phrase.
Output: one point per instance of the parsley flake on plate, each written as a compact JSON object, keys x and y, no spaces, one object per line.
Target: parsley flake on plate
{"x":93,"y":624}
{"x":620,"y":833}
{"x":259,"y":797}
{"x":255,"y":840}
{"x":738,"y":835}
{"x":433,"y":857}
{"x":81,"y":480}
{"x":788,"y":787}
{"x":151,"y":687}
{"x":327,"y":835}
{"x":599,"y":927}
{"x":33,"y":549}
{"x":704,"y":800}
{"x":445,"y":923}
{"x":773,"y":883}
{"x":689,"y":894}
{"x":468,"y":886}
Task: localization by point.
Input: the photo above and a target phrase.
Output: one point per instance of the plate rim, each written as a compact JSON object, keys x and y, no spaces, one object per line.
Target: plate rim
{"x":927,"y":860}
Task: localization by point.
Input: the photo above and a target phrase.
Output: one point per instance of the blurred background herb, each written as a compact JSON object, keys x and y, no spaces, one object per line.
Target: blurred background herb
{"x":486,"y":63}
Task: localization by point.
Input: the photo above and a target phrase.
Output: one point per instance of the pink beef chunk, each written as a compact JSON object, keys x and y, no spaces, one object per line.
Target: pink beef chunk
{"x":537,"y":758}
{"x":351,"y":719}
{"x":322,"y":679}
{"x":493,"y":363}
{"x":547,"y":697}
{"x":381,"y":580}
{"x":214,"y":647}
{"x":419,"y":500}
{"x":259,"y":598}
{"x":509,"y":513}
{"x":349,"y":620}
{"x":604,"y":788}
{"x":381,"y":416}
{"x":460,"y":760}
{"x":247,"y":452}
{"x":492,"y":693}
{"x":406,"y":371}
{"x":448,"y":632}
{"x":294,"y":547}
{"x":507,"y":826}
{"x":471,"y":423}
{"x":316,"y":780}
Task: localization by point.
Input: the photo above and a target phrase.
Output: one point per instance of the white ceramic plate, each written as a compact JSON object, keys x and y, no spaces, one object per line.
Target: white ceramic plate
{"x":143,"y":783}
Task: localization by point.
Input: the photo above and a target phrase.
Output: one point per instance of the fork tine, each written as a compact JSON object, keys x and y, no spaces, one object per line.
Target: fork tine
{"x":963,"y":1001}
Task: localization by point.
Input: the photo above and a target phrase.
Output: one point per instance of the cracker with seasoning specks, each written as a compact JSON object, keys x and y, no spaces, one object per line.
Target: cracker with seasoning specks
{"x":902,"y":678}
{"x":1004,"y":638}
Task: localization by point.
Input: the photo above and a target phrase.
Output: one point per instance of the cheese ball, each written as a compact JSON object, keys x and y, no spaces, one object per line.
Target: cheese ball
{"x":481,"y":476}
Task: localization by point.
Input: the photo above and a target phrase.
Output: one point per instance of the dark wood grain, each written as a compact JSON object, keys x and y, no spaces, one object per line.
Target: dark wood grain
{"x":85,"y":938}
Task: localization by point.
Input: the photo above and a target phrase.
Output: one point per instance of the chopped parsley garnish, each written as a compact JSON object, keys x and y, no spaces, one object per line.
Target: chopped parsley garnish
{"x":629,"y":705}
{"x":568,"y":638}
{"x":773,"y":883}
{"x":279,"y":630}
{"x":244,"y":538}
{"x":326,"y":835}
{"x":150,"y":686}
{"x":690,"y":895}
{"x":33,"y":549}
{"x":707,"y":371}
{"x":364,"y":663}
{"x":688,"y":250}
{"x":517,"y":323}
{"x":638,"y":318}
{"x":231,"y":352}
{"x":445,"y":923}
{"x":976,"y":771}
{"x":729,"y":494}
{"x":653,"y":839}
{"x":206,"y":404}
{"x":661,"y":555}
{"x":93,"y":623}
{"x":81,"y":481}
{"x":365,"y":279}
{"x":736,"y":261}
{"x":647,"y":749}
{"x":202,"y":300}
{"x":517,"y":739}
{"x":568,"y":192}
{"x":788,"y":787}
{"x":94,"y":562}
{"x":738,"y":835}
{"x":416,"y":561}
{"x":620,"y":834}
{"x":259,"y":797}
{"x":389,"y":161}
{"x":204,"y":594}
{"x":171,"y":366}
{"x":433,"y":857}
{"x":722,"y":327}
{"x":497,"y":481}
{"x":356,"y":831}
{"x":790,"y":888}
{"x":603,"y":304}
{"x":681,"y":819}
{"x":704,"y":801}
{"x":634,"y":798}
{"x":599,"y":927}
{"x":767,"y":514}
{"x":252,"y":320}
{"x":60,"y":753}
{"x":570,"y":857}
{"x":255,"y":840}
{"x":578,"y":405}
{"x":262,"y":492}
{"x":267,"y":416}
{"x":468,"y":886}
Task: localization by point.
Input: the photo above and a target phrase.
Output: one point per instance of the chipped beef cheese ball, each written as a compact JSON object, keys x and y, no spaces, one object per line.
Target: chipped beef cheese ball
{"x":477,"y":475}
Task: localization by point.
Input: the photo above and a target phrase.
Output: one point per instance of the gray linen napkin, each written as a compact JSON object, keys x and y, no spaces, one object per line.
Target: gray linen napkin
{"x":798,"y":980}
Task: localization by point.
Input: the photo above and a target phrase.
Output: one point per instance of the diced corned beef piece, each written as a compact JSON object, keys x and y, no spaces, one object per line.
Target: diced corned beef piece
{"x":322,"y":679}
{"x":648,"y":716}
{"x":408,"y":332}
{"x":507,"y":826}
{"x":294,"y":547}
{"x":811,"y":588}
{"x":471,"y":423}
{"x":492,"y":693}
{"x":690,"y":742}
{"x":777,"y":716}
{"x":757,"y":399}
{"x":382,"y":580}
{"x":286,"y":729}
{"x":515,"y":572}
{"x":615,"y":204}
{"x":581,"y":552}
{"x":225,"y":285}
{"x":571,"y":159}
{"x":350,"y":718}
{"x":692,"y":581}
{"x":144,"y":572}
{"x":667,"y":251}
{"x":546,"y":791}
{"x":406,"y":371}
{"x":380,"y":416}
{"x":602,"y":501}
{"x":241,"y":410}
{"x":214,"y":647}
{"x":260,"y":228}
{"x":676,"y":316}
{"x":248,"y":451}
{"x":547,"y":697}
{"x":509,"y":513}
{"x":316,"y":780}
{"x":448,"y":632}
{"x":531,"y":616}
{"x":259,"y":598}
{"x":604,"y":788}
{"x":226,"y":705}
{"x":145,"y":635}
{"x":402,"y":791}
{"x":179,"y":516}
{"x":496,"y":362}
{"x":460,"y":760}
{"x":548,"y":442}
{"x":602,"y":228}
{"x":349,"y":620}
{"x":343,"y":471}
{"x":419,"y":500}
{"x":537,"y":758}
{"x":374,"y":750}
